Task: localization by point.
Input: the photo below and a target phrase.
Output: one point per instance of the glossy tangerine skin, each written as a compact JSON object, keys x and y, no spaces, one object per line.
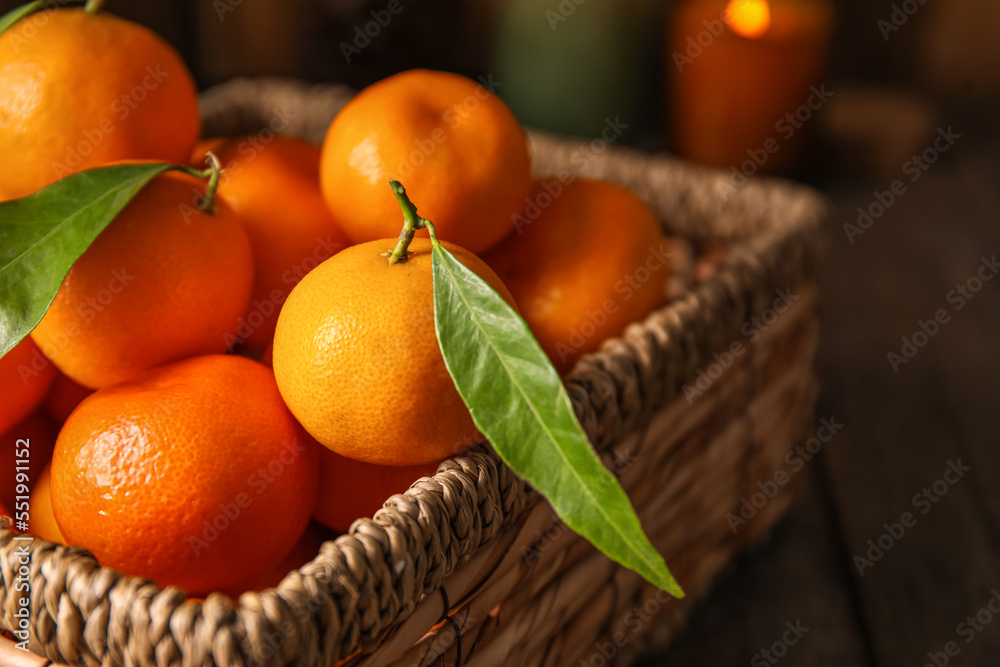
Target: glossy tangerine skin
{"x":454,"y":145}
{"x":588,"y":264}
{"x":80,"y":91}
{"x":357,"y":360}
{"x":194,"y":475}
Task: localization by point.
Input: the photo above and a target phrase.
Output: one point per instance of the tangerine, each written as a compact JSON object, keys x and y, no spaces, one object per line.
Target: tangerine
{"x":25,"y":376}
{"x":164,"y":281}
{"x":357,"y":360}
{"x":350,"y":489}
{"x":586,"y":267}
{"x":81,"y":90}
{"x":274,"y":189}
{"x":449,"y":138}
{"x":194,"y":475}
{"x":43,"y":521}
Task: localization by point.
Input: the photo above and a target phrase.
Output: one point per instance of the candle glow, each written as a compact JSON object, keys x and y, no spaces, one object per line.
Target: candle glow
{"x":729,"y":91}
{"x":749,"y":18}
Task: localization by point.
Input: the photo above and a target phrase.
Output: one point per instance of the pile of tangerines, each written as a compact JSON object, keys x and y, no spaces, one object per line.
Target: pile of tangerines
{"x":221,"y":388}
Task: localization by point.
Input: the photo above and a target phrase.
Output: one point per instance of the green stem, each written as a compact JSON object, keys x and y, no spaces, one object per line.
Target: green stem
{"x":411,"y":223}
{"x":213,"y":173}
{"x":432,"y":233}
{"x":93,"y":6}
{"x":207,"y":202}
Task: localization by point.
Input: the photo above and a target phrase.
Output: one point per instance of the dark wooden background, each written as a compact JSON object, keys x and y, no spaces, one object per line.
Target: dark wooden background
{"x":900,"y":431}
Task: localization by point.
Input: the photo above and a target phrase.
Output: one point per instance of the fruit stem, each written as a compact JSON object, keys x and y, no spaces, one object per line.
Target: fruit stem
{"x":93,"y":6}
{"x":214,"y":171}
{"x":411,"y":223}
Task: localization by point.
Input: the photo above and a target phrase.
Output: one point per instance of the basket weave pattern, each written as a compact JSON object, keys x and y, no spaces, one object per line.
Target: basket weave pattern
{"x":474,"y":543}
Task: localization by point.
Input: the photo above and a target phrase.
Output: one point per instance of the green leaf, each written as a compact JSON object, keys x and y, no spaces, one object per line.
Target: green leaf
{"x":15,"y":15}
{"x":518,"y":401}
{"x":42,"y":235}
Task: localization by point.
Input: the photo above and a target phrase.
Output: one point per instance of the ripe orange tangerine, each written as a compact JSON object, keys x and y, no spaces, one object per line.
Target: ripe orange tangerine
{"x":587,"y":266}
{"x":164,"y":281}
{"x":81,"y":90}
{"x":194,"y":474}
{"x":357,"y":360}
{"x":448,"y":138}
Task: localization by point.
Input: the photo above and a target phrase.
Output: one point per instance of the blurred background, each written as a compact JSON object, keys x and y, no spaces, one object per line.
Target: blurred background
{"x":890,"y":108}
{"x":896,"y":68}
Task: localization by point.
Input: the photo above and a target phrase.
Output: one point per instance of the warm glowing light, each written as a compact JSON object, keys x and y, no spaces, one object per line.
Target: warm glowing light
{"x":749,"y":18}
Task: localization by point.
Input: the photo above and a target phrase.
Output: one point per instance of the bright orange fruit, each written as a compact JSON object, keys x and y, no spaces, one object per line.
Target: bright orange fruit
{"x":357,"y":360}
{"x":43,"y":521}
{"x":25,"y":376}
{"x":164,"y":281}
{"x":80,"y":91}
{"x":350,"y":489}
{"x":442,"y":135}
{"x":590,"y":261}
{"x":194,"y":475}
{"x":273,"y":187}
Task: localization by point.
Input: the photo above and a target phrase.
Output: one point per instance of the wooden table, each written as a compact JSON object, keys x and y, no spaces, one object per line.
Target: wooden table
{"x":904,"y":430}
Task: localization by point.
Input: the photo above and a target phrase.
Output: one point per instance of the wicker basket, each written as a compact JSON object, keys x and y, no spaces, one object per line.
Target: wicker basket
{"x":470,"y":566}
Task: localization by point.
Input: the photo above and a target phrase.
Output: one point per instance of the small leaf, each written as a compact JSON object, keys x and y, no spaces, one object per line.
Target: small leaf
{"x":15,"y":15}
{"x":518,"y":401}
{"x":42,"y":235}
